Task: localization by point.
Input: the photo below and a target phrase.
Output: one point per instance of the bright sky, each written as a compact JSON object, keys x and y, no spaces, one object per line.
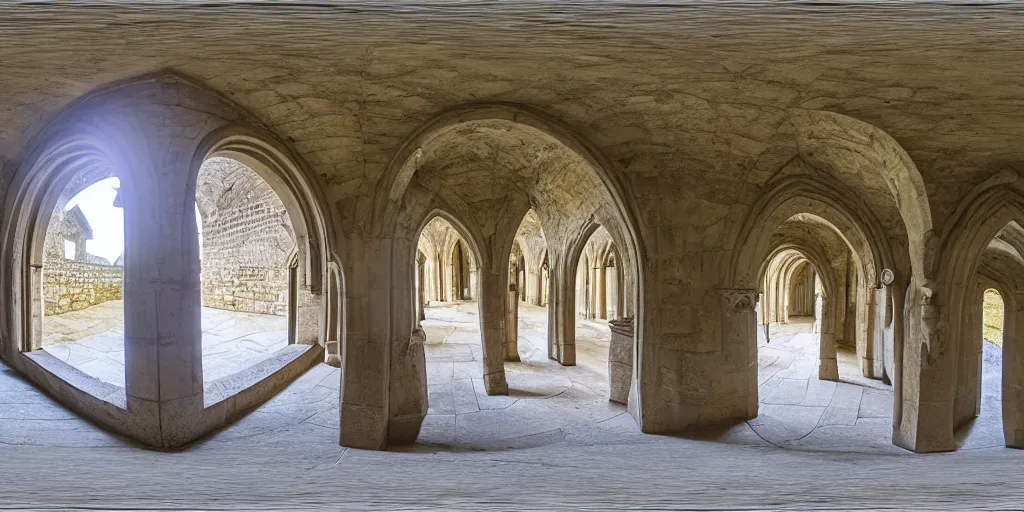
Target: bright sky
{"x":97,"y":204}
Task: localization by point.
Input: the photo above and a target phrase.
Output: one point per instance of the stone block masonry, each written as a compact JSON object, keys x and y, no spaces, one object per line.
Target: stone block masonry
{"x":70,"y":285}
{"x":247,"y":240}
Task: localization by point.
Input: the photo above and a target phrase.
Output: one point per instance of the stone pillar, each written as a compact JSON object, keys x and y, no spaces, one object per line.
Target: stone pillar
{"x":421,"y":294}
{"x":494,"y":294}
{"x":967,"y":404}
{"x":533,"y":287}
{"x":739,"y":330}
{"x":37,"y":310}
{"x":561,"y":313}
{"x":162,"y":315}
{"x":924,"y":421}
{"x":366,"y":358}
{"x":828,"y":367}
{"x":582,"y":291}
{"x":448,"y":280}
{"x":612,"y":284}
{"x":620,"y":359}
{"x":1013,"y":371}
{"x":601,"y":282}
{"x":474,"y":282}
{"x":873,"y":366}
{"x":334,"y":320}
{"x":307,"y":317}
{"x":512,"y":324}
{"x":545,"y":286}
{"x":437,"y":282}
{"x":407,"y":378}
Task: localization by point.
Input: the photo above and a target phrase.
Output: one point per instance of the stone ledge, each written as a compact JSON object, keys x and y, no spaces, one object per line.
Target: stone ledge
{"x":278,"y":367}
{"x":105,"y":391}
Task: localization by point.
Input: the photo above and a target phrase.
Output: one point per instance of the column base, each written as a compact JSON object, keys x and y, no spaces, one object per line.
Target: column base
{"x":512,"y":353}
{"x":1014,"y":439}
{"x":495,"y":384}
{"x":566,"y":355}
{"x":828,"y":369}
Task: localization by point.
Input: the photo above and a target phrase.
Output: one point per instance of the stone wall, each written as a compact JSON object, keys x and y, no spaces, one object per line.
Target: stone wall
{"x":70,"y":285}
{"x":246,"y":240}
{"x":73,"y":284}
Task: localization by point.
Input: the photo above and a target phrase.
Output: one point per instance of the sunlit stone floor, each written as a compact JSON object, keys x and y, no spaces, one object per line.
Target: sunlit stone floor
{"x":547,"y":402}
{"x":796,"y":410}
{"x":554,"y":443}
{"x":855,"y":414}
{"x":232,"y":341}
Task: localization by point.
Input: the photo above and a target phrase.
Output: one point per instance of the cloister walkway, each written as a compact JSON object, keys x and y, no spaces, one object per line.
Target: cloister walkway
{"x":555,"y":435}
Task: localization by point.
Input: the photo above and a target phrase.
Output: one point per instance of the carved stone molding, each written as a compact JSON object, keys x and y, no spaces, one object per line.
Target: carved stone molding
{"x":887,"y":277}
{"x":740,"y":299}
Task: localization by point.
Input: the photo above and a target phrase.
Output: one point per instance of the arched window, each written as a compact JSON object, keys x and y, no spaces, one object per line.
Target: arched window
{"x":248,"y":249}
{"x":81,"y":306}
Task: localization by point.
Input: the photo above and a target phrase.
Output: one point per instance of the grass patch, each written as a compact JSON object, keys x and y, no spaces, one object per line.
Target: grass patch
{"x":992,"y":319}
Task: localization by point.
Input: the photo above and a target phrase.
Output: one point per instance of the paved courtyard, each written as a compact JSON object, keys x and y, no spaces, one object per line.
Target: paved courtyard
{"x":553,"y":443}
{"x":92,"y":340}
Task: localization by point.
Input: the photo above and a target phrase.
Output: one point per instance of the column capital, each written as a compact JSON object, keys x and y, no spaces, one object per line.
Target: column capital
{"x":739,"y":299}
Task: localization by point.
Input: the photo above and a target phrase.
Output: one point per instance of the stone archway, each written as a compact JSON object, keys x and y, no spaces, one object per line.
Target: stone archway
{"x":114,"y":128}
{"x":402,"y":200}
{"x":832,"y":212}
{"x":968,"y":251}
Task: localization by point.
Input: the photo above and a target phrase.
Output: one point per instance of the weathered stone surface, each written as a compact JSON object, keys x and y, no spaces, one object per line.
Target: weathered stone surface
{"x":247,"y":240}
{"x":720,"y":166}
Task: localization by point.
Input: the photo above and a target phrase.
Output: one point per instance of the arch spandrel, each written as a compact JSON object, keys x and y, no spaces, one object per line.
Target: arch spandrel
{"x":866,"y":158}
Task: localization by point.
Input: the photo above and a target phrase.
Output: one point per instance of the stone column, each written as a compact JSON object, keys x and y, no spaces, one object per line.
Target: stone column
{"x":1013,"y":371}
{"x":448,"y":279}
{"x":828,"y":367}
{"x":925,"y":421}
{"x":407,"y":377}
{"x":967,"y":404}
{"x":162,"y":315}
{"x":561,"y":313}
{"x":582,"y":291}
{"x":872,"y":366}
{"x":421,"y":294}
{"x":533,"y":287}
{"x":739,"y":330}
{"x":307,"y":317}
{"x":333,"y":344}
{"x":614,"y":299}
{"x":512,"y":325}
{"x":474,"y":281}
{"x":436,"y":279}
{"x":492,"y":303}
{"x":366,"y":359}
{"x":620,"y":359}
{"x":545,"y":286}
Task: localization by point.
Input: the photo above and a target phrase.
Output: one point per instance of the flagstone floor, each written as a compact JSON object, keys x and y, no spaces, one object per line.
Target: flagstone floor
{"x":92,"y":340}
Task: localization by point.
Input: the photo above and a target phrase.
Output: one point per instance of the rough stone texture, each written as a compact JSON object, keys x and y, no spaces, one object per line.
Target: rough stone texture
{"x":557,"y":437}
{"x":84,"y":279}
{"x":449,"y":268}
{"x":530,"y":243}
{"x":620,"y":359}
{"x":247,"y":240}
{"x":151,"y":136}
{"x":895,"y":124}
{"x":70,"y":285}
